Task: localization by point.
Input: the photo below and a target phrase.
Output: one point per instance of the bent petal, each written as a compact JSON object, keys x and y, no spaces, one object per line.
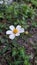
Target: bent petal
{"x":12,"y":36}
{"x":12,"y":27}
{"x":8,"y":32}
{"x":21,"y":30}
{"x":18,"y":27}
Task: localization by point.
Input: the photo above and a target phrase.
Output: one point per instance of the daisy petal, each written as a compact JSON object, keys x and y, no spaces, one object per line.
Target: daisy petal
{"x":21,"y":30}
{"x":18,"y":27}
{"x":8,"y":32}
{"x":12,"y":27}
{"x":17,"y":34}
{"x":12,"y":36}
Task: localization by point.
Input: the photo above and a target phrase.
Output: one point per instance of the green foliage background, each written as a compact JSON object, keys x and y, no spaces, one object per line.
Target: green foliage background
{"x":24,"y":14}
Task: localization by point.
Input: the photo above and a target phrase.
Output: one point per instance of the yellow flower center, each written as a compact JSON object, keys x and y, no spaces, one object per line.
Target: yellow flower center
{"x":15,"y":31}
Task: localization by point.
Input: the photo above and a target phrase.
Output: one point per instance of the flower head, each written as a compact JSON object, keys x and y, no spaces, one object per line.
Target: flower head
{"x":1,"y":2}
{"x":14,"y":31}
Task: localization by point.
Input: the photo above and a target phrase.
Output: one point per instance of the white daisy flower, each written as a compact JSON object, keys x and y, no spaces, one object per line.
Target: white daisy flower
{"x":14,"y":31}
{"x":1,"y":2}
